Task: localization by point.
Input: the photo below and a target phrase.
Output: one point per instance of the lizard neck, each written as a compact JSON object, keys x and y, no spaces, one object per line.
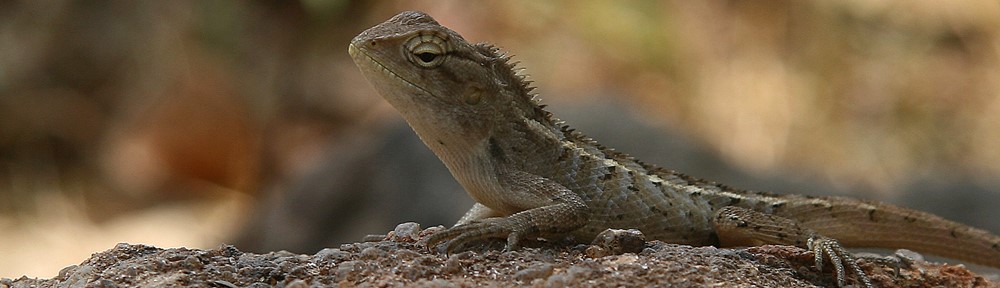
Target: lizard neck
{"x":469,"y":161}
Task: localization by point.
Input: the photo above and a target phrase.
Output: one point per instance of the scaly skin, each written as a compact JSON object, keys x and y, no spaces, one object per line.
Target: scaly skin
{"x":531,"y":176}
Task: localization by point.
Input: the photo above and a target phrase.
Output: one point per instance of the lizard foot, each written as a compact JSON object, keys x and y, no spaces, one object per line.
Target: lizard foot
{"x":838,"y":257}
{"x":459,"y":236}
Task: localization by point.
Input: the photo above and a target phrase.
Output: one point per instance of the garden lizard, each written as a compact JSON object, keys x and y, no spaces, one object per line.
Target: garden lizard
{"x":532,"y":176}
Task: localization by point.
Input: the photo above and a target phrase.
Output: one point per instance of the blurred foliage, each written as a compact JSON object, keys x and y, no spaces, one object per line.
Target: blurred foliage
{"x":870,"y":93}
{"x":120,"y":105}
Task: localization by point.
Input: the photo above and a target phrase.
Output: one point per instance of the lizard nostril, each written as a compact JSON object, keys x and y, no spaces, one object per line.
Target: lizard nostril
{"x":372,"y":43}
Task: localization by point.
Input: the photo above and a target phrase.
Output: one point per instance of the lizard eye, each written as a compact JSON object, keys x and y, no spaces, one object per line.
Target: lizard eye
{"x":426,"y":50}
{"x":427,"y":57}
{"x":427,"y":54}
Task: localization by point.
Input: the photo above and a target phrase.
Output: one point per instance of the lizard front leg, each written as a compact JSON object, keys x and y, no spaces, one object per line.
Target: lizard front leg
{"x":544,"y":208}
{"x":737,"y":226}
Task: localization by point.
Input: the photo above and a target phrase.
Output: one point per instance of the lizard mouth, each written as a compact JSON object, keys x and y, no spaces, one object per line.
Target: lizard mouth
{"x":360,"y":55}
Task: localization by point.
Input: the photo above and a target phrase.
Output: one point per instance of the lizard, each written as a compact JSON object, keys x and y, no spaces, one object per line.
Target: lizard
{"x":532,"y":176}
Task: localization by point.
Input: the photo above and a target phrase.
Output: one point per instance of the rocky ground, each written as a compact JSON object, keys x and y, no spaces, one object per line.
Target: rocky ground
{"x":401,"y":259}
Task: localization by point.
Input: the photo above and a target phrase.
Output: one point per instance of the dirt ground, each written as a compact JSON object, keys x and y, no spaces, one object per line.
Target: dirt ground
{"x":401,"y":259}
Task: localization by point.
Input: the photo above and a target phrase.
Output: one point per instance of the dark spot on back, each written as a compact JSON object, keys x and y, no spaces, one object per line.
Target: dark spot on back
{"x":496,"y":151}
{"x":607,"y":176}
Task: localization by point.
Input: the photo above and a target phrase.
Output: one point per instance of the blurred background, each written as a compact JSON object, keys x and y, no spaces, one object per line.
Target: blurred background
{"x":197,"y":123}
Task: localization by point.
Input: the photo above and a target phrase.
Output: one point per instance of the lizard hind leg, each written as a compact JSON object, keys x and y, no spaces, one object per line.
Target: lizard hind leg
{"x":736,"y":226}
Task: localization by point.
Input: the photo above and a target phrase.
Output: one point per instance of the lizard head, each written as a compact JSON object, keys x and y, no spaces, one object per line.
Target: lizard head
{"x":451,"y":92}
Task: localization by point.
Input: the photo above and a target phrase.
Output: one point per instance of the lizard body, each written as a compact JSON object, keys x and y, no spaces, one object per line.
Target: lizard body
{"x":532,"y":176}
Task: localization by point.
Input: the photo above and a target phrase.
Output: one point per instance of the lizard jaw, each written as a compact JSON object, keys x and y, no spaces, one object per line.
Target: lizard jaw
{"x":362,"y":58}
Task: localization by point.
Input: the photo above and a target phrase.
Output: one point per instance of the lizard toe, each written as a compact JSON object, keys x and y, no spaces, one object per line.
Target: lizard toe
{"x":823,"y":247}
{"x":458,"y":237}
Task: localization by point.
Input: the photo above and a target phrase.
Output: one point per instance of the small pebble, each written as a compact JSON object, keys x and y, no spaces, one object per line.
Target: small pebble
{"x":541,"y":270}
{"x":406,"y":232}
{"x":406,"y":254}
{"x":619,"y":241}
{"x":453,"y":265}
{"x":333,"y":254}
{"x":373,"y":238}
{"x":908,"y":256}
{"x":372,"y":253}
{"x":297,"y":283}
{"x":344,"y":270}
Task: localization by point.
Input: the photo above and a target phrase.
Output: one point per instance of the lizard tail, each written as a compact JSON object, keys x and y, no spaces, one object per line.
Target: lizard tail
{"x":874,"y":224}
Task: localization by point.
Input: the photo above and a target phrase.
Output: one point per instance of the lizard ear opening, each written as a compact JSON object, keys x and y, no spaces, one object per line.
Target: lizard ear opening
{"x":427,"y":51}
{"x":474,"y":95}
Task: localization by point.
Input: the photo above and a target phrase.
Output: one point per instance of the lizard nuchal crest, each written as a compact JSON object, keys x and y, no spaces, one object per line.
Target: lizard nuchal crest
{"x":532,"y":176}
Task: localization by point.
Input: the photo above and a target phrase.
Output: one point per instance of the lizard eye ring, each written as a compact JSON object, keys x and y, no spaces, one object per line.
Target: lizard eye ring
{"x":427,"y":51}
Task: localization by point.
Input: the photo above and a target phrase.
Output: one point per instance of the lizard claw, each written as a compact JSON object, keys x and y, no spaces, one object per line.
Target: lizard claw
{"x":458,"y":237}
{"x":830,"y":248}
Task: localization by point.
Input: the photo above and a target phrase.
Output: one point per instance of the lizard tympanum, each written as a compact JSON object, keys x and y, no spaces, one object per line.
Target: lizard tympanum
{"x":531,"y":176}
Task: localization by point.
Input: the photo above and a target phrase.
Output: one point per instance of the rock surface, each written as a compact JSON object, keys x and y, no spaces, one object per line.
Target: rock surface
{"x":400,"y":258}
